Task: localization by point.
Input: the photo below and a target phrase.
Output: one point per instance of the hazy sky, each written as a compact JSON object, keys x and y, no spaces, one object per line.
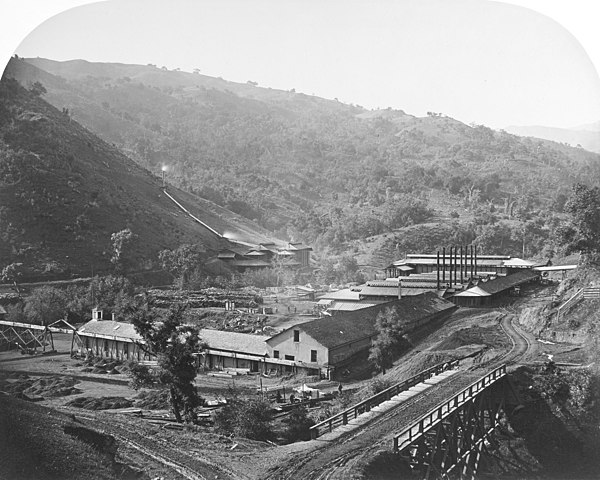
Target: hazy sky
{"x":474,"y":60}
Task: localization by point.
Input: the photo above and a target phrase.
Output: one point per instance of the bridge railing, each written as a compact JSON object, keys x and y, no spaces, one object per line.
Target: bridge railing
{"x":427,"y":421}
{"x":344,"y":417}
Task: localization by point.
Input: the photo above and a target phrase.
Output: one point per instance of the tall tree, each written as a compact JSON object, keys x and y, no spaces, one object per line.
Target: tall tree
{"x":390,"y":339}
{"x":582,"y":232}
{"x":46,"y":305}
{"x":121,"y":243}
{"x":181,"y":262}
{"x":174,"y":345}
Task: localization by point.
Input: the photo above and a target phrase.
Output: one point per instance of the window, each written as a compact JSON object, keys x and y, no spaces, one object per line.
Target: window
{"x":296,"y":335}
{"x":290,"y":357}
{"x":313,"y":355}
{"x":275,"y":353}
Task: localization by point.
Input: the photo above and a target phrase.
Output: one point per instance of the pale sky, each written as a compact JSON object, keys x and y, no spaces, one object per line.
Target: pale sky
{"x":479,"y":61}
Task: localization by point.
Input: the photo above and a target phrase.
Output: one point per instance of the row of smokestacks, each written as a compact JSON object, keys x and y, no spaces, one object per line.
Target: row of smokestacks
{"x":462,"y":263}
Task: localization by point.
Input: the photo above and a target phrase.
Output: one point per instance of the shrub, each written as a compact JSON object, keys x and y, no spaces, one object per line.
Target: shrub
{"x":297,"y":425}
{"x":379,"y":385}
{"x":245,"y":418}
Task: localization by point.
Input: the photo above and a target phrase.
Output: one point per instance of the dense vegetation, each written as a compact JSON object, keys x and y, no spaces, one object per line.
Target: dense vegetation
{"x":70,"y":204}
{"x":322,"y":171}
{"x":308,"y":169}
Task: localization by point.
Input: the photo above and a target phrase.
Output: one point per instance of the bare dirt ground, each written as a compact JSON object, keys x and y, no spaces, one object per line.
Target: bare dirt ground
{"x":482,"y":336}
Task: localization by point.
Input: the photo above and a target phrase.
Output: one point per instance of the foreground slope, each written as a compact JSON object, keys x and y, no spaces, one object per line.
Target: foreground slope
{"x":63,"y":192}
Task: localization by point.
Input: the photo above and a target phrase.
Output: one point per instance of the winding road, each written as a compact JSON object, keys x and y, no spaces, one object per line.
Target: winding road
{"x":344,"y":457}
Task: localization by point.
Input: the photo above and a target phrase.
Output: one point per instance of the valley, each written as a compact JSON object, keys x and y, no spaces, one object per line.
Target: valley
{"x":195,"y":272}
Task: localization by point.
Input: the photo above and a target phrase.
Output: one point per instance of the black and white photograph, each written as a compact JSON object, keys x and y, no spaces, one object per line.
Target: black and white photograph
{"x":299,"y":239}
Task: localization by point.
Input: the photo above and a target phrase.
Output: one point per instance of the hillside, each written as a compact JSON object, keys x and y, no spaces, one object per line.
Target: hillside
{"x":64,"y":191}
{"x":317,"y":170}
{"x":587,"y":136}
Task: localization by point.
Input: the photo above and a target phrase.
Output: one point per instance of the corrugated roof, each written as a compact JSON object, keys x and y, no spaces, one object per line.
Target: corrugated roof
{"x":120,"y":330}
{"x":347,"y":327}
{"x":234,"y":341}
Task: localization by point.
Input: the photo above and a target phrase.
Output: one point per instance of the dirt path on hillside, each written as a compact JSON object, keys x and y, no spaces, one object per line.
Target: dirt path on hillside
{"x":348,"y":455}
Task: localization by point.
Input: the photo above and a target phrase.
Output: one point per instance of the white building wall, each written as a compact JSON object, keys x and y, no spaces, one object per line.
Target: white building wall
{"x":301,"y":350}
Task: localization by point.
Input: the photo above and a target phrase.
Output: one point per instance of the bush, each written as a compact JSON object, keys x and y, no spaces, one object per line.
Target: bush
{"x":245,"y":418}
{"x":379,"y":385}
{"x":298,"y":425}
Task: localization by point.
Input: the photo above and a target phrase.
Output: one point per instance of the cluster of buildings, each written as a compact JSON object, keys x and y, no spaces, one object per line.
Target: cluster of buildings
{"x":243,"y":257}
{"x":320,"y":346}
{"x":420,"y":288}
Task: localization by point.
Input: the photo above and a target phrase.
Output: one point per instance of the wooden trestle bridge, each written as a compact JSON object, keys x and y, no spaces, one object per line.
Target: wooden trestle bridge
{"x":29,"y":338}
{"x":448,"y":441}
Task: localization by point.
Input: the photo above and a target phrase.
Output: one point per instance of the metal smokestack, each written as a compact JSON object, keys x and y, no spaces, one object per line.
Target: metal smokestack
{"x":438,"y":269}
{"x":450,"y":269}
{"x":462,"y":263}
{"x":444,"y":265}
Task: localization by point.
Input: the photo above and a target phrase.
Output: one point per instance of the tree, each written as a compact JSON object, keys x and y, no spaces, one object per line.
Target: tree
{"x":174,"y":345}
{"x":181,"y":262}
{"x":297,"y":425}
{"x":12,"y":273}
{"x":38,"y":89}
{"x":390,"y":339}
{"x":46,"y":305}
{"x":581,"y":232}
{"x":121,"y":243}
{"x":245,"y":418}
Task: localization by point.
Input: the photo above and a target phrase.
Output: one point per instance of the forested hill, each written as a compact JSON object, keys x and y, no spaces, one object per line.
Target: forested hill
{"x":314,"y":169}
{"x":64,"y":192}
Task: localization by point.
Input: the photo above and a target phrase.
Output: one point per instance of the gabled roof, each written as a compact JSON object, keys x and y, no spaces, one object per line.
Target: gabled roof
{"x":110,"y":328}
{"x":235,"y":341}
{"x":473,"y":292}
{"x":2,"y":310}
{"x":347,"y":327}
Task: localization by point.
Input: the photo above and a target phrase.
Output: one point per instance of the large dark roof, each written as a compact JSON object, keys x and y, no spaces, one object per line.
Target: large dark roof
{"x":347,"y":327}
{"x":502,"y":283}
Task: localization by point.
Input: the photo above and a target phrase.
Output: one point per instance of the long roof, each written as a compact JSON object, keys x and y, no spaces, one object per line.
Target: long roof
{"x":110,"y":328}
{"x":235,"y":341}
{"x":499,"y":284}
{"x":347,"y":327}
{"x":345,"y":294}
{"x":367,"y":291}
